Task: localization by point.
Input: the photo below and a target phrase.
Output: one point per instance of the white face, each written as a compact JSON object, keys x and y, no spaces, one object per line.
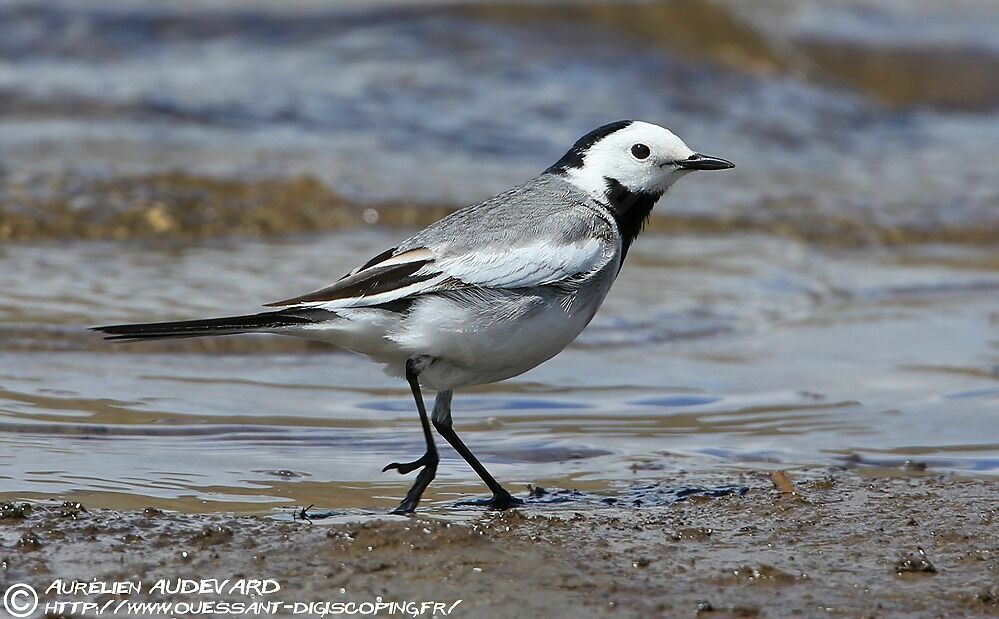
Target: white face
{"x":642,"y":157}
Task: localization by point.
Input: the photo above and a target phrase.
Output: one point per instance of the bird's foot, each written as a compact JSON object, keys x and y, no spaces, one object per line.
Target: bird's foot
{"x":504,"y":500}
{"x":408,"y":505}
{"x":408,"y":467}
{"x":500,"y":500}
{"x":405,"y":508}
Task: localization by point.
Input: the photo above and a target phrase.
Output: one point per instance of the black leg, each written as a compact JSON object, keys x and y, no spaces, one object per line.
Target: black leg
{"x":428,"y":460}
{"x":442,"y":421}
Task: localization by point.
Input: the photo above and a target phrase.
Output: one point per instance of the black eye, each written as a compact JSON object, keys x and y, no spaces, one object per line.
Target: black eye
{"x":640,"y":151}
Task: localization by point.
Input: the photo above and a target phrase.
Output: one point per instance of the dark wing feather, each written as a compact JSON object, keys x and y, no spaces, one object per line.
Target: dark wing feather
{"x":382,"y":274}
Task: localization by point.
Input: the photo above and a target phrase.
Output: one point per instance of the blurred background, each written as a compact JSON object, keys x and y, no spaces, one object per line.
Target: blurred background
{"x":831,"y":302}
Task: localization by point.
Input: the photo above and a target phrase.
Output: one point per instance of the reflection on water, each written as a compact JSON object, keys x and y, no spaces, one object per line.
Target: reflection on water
{"x":721,"y":353}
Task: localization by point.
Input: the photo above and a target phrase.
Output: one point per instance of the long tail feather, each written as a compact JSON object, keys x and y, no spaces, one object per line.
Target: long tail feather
{"x":229,"y":325}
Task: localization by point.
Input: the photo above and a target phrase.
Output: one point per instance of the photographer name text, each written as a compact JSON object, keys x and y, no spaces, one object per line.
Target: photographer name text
{"x":166,"y":586}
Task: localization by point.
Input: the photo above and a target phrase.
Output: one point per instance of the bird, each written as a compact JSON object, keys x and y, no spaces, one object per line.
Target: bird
{"x":487,"y":292}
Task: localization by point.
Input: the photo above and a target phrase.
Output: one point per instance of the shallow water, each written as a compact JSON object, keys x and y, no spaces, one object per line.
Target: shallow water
{"x":711,"y":353}
{"x":761,"y":341}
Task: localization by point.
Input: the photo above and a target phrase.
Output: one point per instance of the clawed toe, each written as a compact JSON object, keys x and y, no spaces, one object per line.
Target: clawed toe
{"x":404,"y":510}
{"x":409,"y":467}
{"x":500,"y":500}
{"x":429,"y":464}
{"x":504,"y":501}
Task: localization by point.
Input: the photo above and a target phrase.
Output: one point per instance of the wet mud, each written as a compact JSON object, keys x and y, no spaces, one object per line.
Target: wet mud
{"x":840,"y":544}
{"x":167,"y":206}
{"x":183,"y":207}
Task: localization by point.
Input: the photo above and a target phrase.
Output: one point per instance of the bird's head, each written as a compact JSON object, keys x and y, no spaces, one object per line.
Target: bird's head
{"x":631,"y":156}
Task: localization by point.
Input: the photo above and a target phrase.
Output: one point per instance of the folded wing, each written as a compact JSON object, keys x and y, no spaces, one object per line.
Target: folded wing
{"x":528,"y":236}
{"x":395,"y":274}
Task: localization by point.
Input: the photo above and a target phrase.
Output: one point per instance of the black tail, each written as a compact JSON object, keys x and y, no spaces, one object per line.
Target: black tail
{"x":230,"y":325}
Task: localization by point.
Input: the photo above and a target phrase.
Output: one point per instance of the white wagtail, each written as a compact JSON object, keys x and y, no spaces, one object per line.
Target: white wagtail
{"x":490,"y":291}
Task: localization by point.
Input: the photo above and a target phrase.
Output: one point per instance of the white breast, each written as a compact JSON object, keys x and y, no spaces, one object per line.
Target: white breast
{"x":484,"y":337}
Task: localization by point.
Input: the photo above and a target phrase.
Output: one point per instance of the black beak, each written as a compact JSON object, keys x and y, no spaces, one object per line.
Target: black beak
{"x":698,"y":161}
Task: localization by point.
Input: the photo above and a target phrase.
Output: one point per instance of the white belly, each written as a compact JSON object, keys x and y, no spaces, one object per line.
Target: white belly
{"x":471,"y":338}
{"x":485,"y":343}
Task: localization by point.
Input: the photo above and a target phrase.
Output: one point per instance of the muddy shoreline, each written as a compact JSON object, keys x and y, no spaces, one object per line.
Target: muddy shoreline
{"x":183,"y":208}
{"x":844,"y":543}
